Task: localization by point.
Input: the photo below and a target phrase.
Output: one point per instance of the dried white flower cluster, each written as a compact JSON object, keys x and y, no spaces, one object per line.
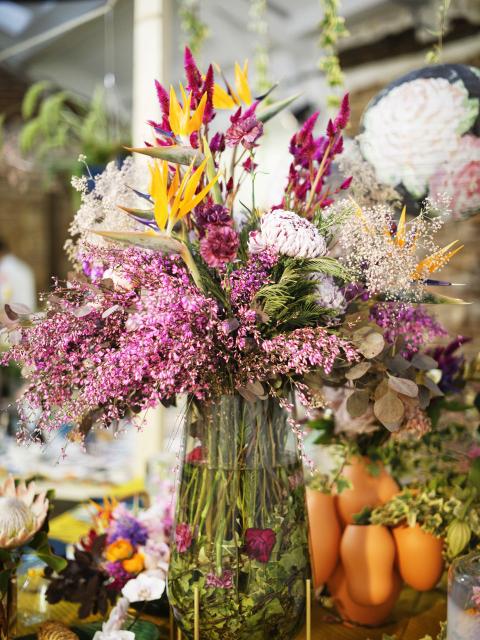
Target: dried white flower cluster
{"x":365,"y":187}
{"x":288,"y":234}
{"x":99,"y":209}
{"x":387,"y":263}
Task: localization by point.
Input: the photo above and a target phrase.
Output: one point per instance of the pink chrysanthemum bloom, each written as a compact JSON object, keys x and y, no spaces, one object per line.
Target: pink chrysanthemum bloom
{"x":219,"y":246}
{"x":288,"y":234}
{"x":21,"y":513}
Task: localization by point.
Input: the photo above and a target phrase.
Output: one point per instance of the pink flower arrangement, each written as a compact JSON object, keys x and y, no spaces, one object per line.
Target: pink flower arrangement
{"x":186,"y":297}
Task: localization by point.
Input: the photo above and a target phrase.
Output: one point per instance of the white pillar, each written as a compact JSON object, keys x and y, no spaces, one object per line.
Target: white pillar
{"x":151,"y":61}
{"x":151,"y":49}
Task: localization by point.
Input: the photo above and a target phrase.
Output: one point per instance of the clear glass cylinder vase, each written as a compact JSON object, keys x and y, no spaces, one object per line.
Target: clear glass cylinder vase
{"x":241,"y":535}
{"x":464,"y":598}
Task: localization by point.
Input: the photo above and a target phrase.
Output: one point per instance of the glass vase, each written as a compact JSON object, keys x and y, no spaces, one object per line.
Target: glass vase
{"x":8,"y":605}
{"x":464,"y":598}
{"x":241,"y":536}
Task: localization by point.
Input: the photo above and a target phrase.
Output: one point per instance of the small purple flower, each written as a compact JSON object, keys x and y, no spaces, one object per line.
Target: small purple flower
{"x":183,"y":537}
{"x":125,"y":525}
{"x":219,"y":246}
{"x":224,"y":582}
{"x":245,"y":129}
{"x":259,"y":543}
{"x":450,"y":364}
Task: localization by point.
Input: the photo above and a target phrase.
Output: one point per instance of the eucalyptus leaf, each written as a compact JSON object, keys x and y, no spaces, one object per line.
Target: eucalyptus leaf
{"x":389,"y":410}
{"x":358,"y":371}
{"x":357,"y":403}
{"x":372,"y":345}
{"x":423,"y":362}
{"x":404,"y":386}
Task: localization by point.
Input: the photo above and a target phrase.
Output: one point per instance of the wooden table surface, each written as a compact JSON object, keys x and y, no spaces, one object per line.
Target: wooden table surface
{"x":415,"y":615}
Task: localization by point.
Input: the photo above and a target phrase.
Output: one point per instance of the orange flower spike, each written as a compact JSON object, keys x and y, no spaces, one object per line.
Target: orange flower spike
{"x":401,"y":235}
{"x":436,"y":261}
{"x":135,"y":564}
{"x":121,"y":549}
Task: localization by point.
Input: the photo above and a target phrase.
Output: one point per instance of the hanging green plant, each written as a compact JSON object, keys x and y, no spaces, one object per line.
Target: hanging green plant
{"x":332,"y":30}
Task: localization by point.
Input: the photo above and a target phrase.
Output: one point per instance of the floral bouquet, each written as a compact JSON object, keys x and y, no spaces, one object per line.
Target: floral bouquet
{"x":183,"y":286}
{"x":23,"y":529}
{"x":123,"y":555}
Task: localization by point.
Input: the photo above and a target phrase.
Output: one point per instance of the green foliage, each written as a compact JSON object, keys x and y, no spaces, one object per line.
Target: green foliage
{"x":194,"y":29}
{"x":32,"y":96}
{"x":434,"y":55}
{"x":59,"y":123}
{"x":332,"y":29}
{"x":290,"y":302}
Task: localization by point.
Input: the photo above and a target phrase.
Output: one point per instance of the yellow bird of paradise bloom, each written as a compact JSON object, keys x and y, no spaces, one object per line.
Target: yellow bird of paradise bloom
{"x":182,"y":121}
{"x":175,"y":198}
{"x":428,"y":265}
{"x":234,"y":98}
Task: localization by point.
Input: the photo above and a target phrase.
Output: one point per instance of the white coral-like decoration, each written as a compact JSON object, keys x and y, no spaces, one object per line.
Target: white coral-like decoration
{"x":22,"y":513}
{"x":288,"y":234}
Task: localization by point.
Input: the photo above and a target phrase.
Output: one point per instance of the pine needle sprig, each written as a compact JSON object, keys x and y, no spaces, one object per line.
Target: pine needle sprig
{"x":291,"y":301}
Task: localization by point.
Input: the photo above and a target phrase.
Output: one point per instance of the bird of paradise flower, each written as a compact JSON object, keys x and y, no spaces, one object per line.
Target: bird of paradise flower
{"x":172,"y":199}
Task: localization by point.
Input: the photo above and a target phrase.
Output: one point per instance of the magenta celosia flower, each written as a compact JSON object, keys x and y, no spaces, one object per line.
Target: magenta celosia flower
{"x":211,"y":214}
{"x":217,"y":143}
{"x":225,"y":581}
{"x":183,"y":537}
{"x":259,"y":543}
{"x":219,"y":245}
{"x":245,"y":128}
{"x":312,"y":161}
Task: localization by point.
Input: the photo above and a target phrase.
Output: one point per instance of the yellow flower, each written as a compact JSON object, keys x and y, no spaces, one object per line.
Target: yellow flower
{"x":182,"y":122}
{"x":135,"y":564}
{"x":119,"y":550}
{"x":174,"y":199}
{"x":230,"y":99}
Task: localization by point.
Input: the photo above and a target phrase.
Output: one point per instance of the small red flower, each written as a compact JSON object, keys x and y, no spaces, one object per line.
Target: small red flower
{"x":183,"y":537}
{"x":259,"y":543}
{"x":195,"y":455}
{"x":219,"y":246}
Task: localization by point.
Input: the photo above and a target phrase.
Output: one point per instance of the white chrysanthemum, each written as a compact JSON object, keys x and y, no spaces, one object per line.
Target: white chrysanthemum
{"x":329,"y":295}
{"x":21,"y":513}
{"x":414,"y":129}
{"x":289,"y":235}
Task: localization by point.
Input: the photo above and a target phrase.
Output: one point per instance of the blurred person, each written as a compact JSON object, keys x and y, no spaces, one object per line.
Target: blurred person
{"x":17,"y":281}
